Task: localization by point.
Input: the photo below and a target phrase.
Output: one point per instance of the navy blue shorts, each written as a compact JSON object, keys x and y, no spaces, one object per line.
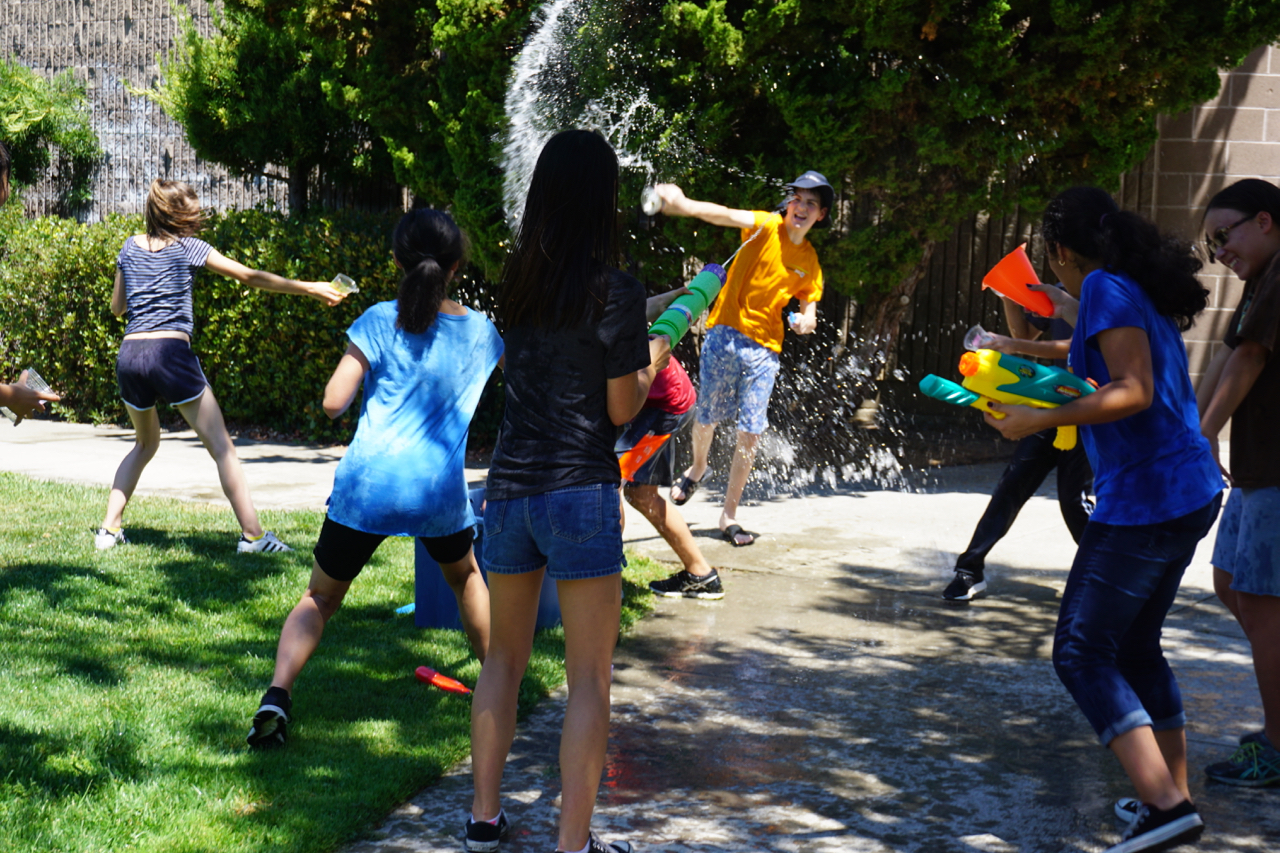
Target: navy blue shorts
{"x":158,"y":368}
{"x":342,"y":552}
{"x":660,"y":468}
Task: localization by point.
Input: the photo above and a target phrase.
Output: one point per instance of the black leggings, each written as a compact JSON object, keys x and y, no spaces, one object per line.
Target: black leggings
{"x":342,"y":552}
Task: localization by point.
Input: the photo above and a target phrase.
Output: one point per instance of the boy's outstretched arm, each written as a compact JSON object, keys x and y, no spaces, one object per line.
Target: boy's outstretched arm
{"x":676,"y":203}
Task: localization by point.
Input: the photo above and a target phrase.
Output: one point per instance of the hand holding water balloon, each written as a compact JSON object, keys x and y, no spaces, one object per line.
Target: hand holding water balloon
{"x":674,"y":201}
{"x":24,"y":401}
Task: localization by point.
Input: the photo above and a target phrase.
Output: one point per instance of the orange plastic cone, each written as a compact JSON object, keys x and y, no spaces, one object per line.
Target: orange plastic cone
{"x":1011,"y":277}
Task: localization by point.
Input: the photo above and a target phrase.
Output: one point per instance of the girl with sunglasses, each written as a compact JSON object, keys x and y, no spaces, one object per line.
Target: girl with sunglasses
{"x":1242,"y":384}
{"x":1158,"y":491}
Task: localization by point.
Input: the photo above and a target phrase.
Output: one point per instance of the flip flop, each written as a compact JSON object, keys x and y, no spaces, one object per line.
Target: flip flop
{"x":731,"y":534}
{"x":688,"y":485}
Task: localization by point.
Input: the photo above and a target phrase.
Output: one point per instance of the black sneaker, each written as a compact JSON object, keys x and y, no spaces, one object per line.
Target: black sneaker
{"x":270,"y":724}
{"x":1255,"y":764}
{"x":595,"y":845}
{"x":483,"y":837}
{"x":1156,"y":829}
{"x":684,"y":585}
{"x":965,"y":587}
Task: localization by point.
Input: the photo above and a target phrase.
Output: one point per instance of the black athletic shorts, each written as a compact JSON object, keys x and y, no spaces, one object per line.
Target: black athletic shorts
{"x":163,"y":368}
{"x":660,"y":468}
{"x":342,"y":552}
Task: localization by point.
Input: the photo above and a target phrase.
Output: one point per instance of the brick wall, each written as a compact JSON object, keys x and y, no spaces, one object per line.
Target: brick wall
{"x":1234,"y":136}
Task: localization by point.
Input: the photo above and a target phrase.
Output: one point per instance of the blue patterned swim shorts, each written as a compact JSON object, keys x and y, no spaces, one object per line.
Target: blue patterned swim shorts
{"x":737,"y":376}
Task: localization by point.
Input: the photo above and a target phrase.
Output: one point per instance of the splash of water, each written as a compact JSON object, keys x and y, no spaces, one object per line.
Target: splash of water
{"x":819,"y":447}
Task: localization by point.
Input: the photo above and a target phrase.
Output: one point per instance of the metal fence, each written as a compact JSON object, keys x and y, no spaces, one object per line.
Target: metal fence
{"x":112,"y":47}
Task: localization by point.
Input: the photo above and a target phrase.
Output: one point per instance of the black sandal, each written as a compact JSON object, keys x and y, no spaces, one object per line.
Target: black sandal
{"x":688,"y":485}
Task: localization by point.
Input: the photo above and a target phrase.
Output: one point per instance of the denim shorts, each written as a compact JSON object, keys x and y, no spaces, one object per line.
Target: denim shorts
{"x":576,"y":532}
{"x":737,"y":376}
{"x":158,"y":368}
{"x":660,"y":468}
{"x":1248,"y":543}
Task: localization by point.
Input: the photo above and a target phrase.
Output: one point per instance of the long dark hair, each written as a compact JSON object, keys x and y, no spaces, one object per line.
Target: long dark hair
{"x":1087,"y":221}
{"x":557,"y":272}
{"x":427,"y":243}
{"x":1250,"y":196}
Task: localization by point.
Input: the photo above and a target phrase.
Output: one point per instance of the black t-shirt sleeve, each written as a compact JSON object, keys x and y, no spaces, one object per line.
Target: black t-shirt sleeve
{"x":623,"y":329}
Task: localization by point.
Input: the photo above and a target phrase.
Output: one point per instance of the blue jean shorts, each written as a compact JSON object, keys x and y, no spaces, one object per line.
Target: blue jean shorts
{"x":737,"y":376}
{"x":1248,"y":543}
{"x":576,"y":532}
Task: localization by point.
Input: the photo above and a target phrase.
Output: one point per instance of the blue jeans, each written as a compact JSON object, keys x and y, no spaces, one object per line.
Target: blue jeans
{"x":1106,"y":649}
{"x":576,"y":532}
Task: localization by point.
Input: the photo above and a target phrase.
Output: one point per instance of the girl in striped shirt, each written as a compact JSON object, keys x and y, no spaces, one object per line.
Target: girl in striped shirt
{"x":153,"y":286}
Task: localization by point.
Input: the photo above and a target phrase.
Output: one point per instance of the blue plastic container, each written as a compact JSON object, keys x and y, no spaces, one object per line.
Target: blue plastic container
{"x":434,"y":604}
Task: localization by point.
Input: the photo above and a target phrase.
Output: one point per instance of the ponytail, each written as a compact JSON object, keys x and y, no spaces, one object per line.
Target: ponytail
{"x":1087,"y":221}
{"x":427,"y":243}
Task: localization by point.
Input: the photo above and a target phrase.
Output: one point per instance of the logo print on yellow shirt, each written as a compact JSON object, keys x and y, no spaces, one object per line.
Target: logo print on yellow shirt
{"x":798,"y":271}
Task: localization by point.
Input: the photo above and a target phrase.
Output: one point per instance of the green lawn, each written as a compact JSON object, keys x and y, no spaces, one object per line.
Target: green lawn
{"x":128,"y":677}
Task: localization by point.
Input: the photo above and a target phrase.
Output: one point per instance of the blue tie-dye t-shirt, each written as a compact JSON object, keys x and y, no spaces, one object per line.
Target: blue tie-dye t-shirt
{"x":1155,"y":465}
{"x":403,"y":473}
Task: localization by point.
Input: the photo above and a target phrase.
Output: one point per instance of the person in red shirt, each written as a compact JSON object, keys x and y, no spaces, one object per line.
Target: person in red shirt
{"x":667,"y":410}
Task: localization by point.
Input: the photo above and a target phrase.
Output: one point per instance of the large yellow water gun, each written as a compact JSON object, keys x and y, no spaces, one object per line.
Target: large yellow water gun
{"x":990,"y":375}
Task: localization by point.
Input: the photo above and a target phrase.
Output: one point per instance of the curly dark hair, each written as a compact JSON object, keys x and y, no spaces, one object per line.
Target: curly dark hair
{"x":1087,"y":221}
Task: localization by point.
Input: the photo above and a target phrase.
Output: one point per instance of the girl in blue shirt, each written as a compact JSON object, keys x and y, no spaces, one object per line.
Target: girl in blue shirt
{"x":1157,"y":485}
{"x":424,"y":360}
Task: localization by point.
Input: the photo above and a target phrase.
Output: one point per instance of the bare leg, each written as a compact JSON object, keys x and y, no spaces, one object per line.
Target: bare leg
{"x":205,"y":418}
{"x":1227,"y":595}
{"x":744,"y":455}
{"x":1173,"y":746}
{"x":305,"y":624}
{"x":1260,"y":618}
{"x":1141,"y":758}
{"x":668,"y":521}
{"x":464,"y":578}
{"x":590,"y":609}
{"x":702,"y":435}
{"x":146,"y":438}
{"x":513,"y":614}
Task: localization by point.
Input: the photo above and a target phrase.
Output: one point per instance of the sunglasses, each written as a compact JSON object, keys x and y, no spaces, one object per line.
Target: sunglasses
{"x":1215,"y":241}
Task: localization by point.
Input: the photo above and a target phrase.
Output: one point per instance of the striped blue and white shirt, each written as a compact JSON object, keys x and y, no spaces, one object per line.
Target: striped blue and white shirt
{"x":157,"y":285}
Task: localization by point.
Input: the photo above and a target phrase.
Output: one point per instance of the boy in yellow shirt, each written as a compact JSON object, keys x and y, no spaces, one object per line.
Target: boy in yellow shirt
{"x":739,"y":361}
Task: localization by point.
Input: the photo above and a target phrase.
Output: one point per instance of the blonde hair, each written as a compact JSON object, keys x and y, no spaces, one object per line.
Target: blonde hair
{"x":173,"y":211}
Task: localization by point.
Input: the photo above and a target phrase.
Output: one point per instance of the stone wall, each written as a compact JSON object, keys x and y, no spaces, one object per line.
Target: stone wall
{"x":1234,"y":136}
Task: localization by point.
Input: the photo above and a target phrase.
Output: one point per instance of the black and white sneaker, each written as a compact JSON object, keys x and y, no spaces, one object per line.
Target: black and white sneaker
{"x":965,"y":587}
{"x":267,"y":543}
{"x":1157,"y":829}
{"x":270,"y":724}
{"x":685,"y":585}
{"x":1126,"y":809}
{"x":595,"y":845}
{"x":104,"y":538}
{"x":483,"y":837}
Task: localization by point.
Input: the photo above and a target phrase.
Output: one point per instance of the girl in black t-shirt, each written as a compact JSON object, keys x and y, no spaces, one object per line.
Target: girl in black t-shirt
{"x":578,"y":365}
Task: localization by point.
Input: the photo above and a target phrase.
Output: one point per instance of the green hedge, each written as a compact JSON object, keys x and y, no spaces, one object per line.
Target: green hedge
{"x":267,"y":355}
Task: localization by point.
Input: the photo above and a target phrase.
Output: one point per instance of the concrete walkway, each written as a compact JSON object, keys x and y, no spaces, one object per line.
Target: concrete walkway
{"x":831,"y":701}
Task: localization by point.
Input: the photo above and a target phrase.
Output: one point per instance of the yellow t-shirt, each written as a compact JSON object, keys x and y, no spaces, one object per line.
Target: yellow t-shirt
{"x":768,"y":272}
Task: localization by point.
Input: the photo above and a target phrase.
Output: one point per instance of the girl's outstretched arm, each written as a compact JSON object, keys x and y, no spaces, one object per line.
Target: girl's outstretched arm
{"x":345,"y":381}
{"x":319,"y":290}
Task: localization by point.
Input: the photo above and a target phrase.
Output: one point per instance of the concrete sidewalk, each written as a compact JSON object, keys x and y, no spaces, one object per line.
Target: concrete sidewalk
{"x":831,"y":701}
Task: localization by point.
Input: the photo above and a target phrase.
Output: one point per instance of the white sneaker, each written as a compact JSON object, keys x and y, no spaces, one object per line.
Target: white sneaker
{"x":268,"y":544}
{"x":104,"y":538}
